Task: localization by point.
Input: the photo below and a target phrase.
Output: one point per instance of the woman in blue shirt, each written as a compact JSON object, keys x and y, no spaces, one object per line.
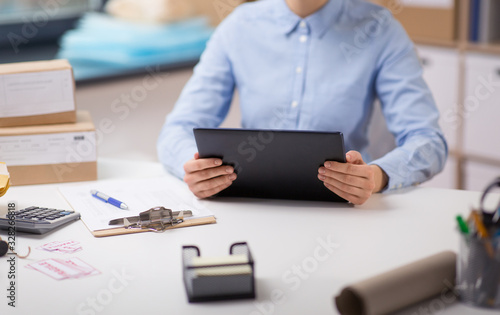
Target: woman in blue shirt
{"x":311,"y":65}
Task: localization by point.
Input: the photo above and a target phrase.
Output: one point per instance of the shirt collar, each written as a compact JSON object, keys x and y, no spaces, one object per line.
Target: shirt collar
{"x":319,"y":21}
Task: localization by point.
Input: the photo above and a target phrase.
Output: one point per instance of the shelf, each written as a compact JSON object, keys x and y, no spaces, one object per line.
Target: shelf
{"x":451,"y":43}
{"x":491,"y":48}
{"x":481,"y":159}
{"x":435,"y":42}
{"x":454,"y":153}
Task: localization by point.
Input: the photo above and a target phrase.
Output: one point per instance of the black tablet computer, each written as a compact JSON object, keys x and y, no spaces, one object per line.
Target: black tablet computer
{"x":280,"y":164}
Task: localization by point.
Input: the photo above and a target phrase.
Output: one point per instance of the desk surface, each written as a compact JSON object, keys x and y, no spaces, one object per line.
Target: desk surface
{"x":142,"y":272}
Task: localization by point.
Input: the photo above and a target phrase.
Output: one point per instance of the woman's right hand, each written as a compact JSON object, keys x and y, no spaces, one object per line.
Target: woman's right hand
{"x":207,"y":177}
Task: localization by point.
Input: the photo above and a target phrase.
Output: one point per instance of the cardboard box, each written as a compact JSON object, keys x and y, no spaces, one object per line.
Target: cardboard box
{"x":216,"y":10}
{"x":167,"y":11}
{"x":425,"y":21}
{"x":37,"y":93}
{"x":50,"y":153}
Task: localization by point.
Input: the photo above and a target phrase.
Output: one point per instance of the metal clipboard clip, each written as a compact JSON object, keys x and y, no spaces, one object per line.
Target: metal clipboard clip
{"x":156,"y":219}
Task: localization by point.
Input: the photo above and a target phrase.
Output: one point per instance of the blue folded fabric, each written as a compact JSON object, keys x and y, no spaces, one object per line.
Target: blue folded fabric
{"x":103,"y":45}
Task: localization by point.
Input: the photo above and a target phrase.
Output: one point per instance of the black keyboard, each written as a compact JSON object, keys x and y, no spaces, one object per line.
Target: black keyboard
{"x":37,"y":220}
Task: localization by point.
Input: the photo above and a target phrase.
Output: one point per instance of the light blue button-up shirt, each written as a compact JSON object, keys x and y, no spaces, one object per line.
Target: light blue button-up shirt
{"x":323,"y":73}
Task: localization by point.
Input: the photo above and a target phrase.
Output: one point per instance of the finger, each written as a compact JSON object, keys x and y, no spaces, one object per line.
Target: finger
{"x":200,"y":164}
{"x":206,"y":174}
{"x":352,"y":190}
{"x":354,"y":157}
{"x":347,"y":179}
{"x":215,"y":190}
{"x":347,"y":168}
{"x":214,"y":172}
{"x":212,"y":183}
{"x":215,"y":186}
{"x":351,"y":198}
{"x":196,"y":155}
{"x":366,"y":182}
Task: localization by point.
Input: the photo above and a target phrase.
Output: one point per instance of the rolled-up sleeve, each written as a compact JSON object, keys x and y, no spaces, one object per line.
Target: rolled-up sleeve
{"x":410,"y":113}
{"x":204,"y":101}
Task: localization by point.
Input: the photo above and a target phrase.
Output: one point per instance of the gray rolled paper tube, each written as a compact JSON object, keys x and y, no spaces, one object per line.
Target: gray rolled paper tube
{"x":401,"y":287}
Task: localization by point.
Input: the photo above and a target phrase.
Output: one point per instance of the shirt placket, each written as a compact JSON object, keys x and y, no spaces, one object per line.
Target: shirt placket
{"x":304,"y":39}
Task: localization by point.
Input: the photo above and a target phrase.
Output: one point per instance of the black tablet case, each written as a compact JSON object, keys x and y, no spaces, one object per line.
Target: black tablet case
{"x":280,"y":164}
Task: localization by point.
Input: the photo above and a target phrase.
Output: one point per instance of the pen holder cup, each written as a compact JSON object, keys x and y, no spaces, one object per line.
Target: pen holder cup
{"x":478,"y":272}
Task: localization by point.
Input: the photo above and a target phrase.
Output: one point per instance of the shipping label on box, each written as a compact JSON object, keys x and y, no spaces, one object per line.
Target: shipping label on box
{"x":37,"y":93}
{"x":52,"y":148}
{"x":50,"y":153}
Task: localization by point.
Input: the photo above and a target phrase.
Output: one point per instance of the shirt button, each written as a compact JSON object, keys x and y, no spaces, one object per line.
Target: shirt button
{"x":303,"y":38}
{"x":298,"y":70}
{"x":295,"y":104}
{"x":302,"y":24}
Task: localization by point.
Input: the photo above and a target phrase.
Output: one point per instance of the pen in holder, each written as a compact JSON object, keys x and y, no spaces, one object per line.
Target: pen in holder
{"x":218,"y":278}
{"x":478,"y":272}
{"x":478,"y":263}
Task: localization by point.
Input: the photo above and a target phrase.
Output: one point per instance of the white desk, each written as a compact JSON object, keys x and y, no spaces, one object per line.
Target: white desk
{"x":388,"y":231}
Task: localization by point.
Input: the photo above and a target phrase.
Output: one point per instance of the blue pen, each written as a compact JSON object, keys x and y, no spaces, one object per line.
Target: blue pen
{"x":117,"y":203}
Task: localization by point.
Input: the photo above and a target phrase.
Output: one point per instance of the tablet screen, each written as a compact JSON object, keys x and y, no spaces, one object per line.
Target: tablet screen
{"x":280,"y":164}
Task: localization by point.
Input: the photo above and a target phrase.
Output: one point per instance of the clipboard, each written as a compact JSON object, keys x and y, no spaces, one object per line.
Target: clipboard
{"x":123,"y":230}
{"x":157,"y":219}
{"x":142,"y":193}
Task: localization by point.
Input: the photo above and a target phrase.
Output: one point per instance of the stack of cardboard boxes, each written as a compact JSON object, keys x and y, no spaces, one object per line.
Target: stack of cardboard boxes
{"x":43,"y":139}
